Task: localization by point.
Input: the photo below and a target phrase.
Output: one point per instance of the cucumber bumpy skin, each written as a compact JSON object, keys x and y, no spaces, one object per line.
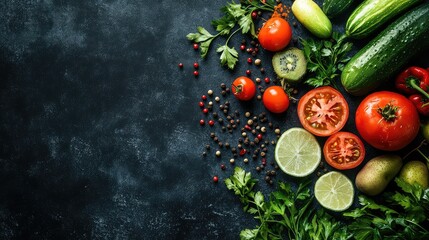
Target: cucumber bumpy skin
{"x":333,"y":8}
{"x":387,"y":53}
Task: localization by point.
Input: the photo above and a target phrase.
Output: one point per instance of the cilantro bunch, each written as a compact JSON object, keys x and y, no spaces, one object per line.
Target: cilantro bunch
{"x":234,"y":14}
{"x":286,"y":213}
{"x":325,"y":59}
{"x":405,"y":216}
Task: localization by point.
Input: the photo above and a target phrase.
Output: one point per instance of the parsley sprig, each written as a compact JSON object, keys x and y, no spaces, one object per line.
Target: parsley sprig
{"x":235,"y":15}
{"x":325,"y":59}
{"x":286,"y":212}
{"x":402,"y":216}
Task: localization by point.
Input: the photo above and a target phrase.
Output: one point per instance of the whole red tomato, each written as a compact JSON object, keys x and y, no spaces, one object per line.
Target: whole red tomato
{"x":323,"y":111}
{"x":243,"y":88}
{"x":275,"y":99}
{"x":387,"y":120}
{"x":275,"y":34}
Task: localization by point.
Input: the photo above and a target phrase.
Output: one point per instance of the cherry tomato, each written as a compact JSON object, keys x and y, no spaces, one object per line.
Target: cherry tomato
{"x":275,"y":34}
{"x":275,"y":99}
{"x":323,"y":111}
{"x":243,"y":88}
{"x":387,"y":120}
{"x":344,"y":150}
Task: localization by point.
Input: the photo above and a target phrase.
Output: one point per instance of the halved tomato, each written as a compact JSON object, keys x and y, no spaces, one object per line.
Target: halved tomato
{"x":323,"y":111}
{"x":344,"y":150}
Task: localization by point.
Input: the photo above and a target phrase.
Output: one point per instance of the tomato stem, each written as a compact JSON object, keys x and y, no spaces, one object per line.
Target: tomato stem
{"x":388,"y":112}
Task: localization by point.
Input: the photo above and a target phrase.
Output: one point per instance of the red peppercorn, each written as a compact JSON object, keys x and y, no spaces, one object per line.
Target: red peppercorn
{"x":242,"y":47}
{"x":222,"y":166}
{"x":202,"y":122}
{"x":196,"y":73}
{"x":205,"y":110}
{"x":211,"y":122}
{"x":201,"y":104}
{"x":259,"y":136}
{"x":267,"y":80}
{"x":180,"y":65}
{"x":242,"y":152}
{"x":204,"y":97}
{"x":195,"y":46}
{"x":247,"y":127}
{"x":249,"y":60}
{"x":264,"y":161}
{"x":254,"y":14}
{"x":196,"y":65}
{"x":215,"y":179}
{"x":248,"y":72}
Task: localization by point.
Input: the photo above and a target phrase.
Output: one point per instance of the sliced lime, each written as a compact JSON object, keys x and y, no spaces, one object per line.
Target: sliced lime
{"x":334,"y":191}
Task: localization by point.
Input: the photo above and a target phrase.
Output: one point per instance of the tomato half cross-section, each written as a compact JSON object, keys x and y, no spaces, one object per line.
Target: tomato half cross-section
{"x":323,"y":111}
{"x":344,"y":150}
{"x":387,"y":120}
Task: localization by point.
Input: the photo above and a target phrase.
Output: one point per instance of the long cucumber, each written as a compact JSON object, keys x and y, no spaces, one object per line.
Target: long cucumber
{"x":388,"y":52}
{"x":372,"y":14}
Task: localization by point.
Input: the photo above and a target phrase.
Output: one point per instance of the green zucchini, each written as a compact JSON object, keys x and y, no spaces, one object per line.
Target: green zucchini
{"x":371,"y":14}
{"x":388,"y":52}
{"x":333,"y":8}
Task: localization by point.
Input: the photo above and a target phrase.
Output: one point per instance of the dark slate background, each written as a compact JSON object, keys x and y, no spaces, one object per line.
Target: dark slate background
{"x":99,"y":133}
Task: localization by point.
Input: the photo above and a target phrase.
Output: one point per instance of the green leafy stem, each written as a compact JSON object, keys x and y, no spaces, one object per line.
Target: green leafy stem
{"x":233,"y":14}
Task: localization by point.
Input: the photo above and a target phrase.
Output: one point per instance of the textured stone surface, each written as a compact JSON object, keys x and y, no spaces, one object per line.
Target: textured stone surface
{"x":99,"y":133}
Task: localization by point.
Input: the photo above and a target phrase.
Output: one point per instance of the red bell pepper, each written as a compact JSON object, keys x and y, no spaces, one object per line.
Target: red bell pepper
{"x":413,"y":80}
{"x":421,"y":103}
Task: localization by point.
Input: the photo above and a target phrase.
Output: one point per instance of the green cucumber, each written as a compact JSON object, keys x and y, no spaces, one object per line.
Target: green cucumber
{"x":333,"y":8}
{"x":387,"y":53}
{"x":372,"y":14}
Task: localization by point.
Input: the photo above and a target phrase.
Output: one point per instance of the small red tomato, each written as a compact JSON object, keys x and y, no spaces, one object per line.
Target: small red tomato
{"x":243,"y":88}
{"x":387,"y":120}
{"x":344,"y":150}
{"x":275,"y":34}
{"x":275,"y":99}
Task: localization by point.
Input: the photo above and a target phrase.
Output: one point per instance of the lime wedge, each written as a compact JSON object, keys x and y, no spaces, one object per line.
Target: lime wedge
{"x":297,"y":152}
{"x":334,"y":191}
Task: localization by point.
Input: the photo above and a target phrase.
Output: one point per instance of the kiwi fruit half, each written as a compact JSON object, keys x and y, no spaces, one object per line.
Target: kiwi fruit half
{"x":290,"y":64}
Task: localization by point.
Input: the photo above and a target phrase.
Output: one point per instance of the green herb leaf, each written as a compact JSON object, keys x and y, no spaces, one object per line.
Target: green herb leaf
{"x":228,"y":57}
{"x":325,"y":59}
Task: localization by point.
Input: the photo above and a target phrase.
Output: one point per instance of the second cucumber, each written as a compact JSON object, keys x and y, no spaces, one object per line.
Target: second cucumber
{"x":372,"y":14}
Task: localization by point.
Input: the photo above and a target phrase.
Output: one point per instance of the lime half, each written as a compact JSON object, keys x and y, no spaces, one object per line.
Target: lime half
{"x":334,"y":191}
{"x":297,"y":152}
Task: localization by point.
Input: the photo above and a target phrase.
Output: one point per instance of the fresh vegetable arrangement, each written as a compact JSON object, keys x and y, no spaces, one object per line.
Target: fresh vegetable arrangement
{"x":389,"y":120}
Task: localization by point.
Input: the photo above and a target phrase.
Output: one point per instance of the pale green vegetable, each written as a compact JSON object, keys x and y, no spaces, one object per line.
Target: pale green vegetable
{"x":312,"y":17}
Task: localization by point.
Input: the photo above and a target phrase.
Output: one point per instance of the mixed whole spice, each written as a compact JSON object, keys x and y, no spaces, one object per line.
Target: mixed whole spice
{"x":392,"y":116}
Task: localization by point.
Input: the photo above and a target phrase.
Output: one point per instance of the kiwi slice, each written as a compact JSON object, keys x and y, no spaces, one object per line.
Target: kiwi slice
{"x":290,"y":64}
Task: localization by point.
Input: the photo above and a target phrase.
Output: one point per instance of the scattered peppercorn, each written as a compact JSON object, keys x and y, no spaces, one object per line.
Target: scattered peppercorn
{"x":196,"y":65}
{"x":196,"y":73}
{"x":215,"y":179}
{"x":180,"y":65}
{"x":195,"y":46}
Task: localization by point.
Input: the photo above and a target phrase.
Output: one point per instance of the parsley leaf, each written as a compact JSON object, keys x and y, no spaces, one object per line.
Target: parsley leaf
{"x":405,"y":216}
{"x":235,"y":15}
{"x":286,"y":212}
{"x":325,"y":59}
